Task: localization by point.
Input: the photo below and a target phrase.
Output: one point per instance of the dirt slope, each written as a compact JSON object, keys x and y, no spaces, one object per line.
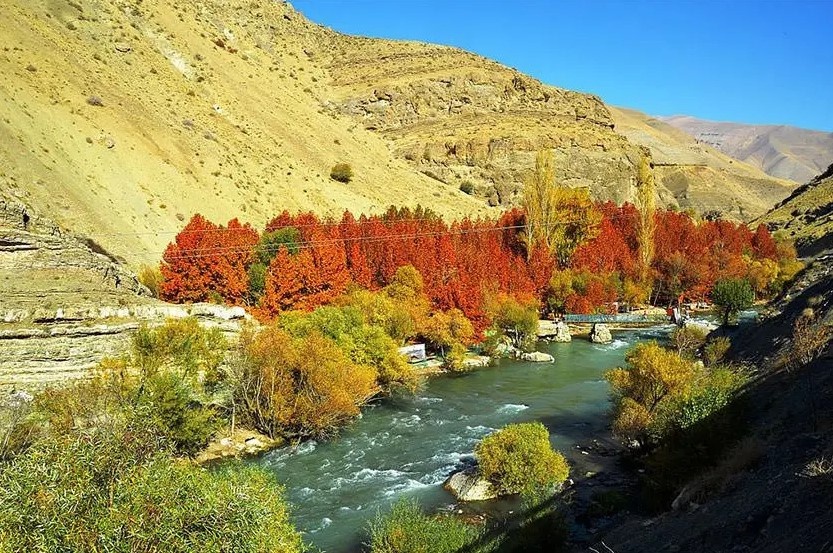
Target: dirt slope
{"x":208,"y":107}
{"x":781,"y":151}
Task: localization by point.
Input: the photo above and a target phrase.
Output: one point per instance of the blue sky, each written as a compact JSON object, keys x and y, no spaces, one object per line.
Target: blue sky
{"x":744,"y":61}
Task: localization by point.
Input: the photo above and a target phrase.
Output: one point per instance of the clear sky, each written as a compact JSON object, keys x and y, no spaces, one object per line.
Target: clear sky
{"x":733,"y":60}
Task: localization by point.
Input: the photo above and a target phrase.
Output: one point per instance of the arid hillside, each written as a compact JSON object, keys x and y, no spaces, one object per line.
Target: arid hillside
{"x":807,"y":215}
{"x":121,"y":119}
{"x":697,"y":175}
{"x":779,"y":150}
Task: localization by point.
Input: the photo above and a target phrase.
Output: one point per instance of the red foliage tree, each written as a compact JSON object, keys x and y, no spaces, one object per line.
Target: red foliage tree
{"x":205,"y":259}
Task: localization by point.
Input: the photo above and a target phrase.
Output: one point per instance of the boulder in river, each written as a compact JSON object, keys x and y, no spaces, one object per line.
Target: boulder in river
{"x":556,"y":331}
{"x":600,"y":334}
{"x":537,"y":357}
{"x":468,"y":485}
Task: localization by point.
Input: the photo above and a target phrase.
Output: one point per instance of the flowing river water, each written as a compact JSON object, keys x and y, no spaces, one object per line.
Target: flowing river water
{"x":407,"y":447}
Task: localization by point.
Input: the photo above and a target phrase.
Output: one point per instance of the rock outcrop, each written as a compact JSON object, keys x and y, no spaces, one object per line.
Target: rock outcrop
{"x":66,"y":303}
{"x":468,"y":485}
{"x":600,"y":334}
{"x":51,"y":346}
{"x":554,"y":331}
{"x":536,"y":357}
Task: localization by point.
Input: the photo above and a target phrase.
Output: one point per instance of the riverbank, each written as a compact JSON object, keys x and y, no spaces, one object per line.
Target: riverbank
{"x":406,"y":447}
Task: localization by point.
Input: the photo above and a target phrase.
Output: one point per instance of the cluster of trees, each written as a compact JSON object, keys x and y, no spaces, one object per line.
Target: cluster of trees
{"x":664,"y":391}
{"x":572,"y":256}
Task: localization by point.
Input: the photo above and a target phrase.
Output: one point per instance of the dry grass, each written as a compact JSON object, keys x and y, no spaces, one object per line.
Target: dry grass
{"x":742,"y":457}
{"x":821,"y":467}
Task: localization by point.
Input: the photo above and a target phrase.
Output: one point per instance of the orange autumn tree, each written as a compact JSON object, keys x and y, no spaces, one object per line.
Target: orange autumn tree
{"x":206,"y":261}
{"x":315,"y":276}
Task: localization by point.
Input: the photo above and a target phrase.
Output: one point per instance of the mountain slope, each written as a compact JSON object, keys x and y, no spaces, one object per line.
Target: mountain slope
{"x":203,"y":110}
{"x":123,"y":118}
{"x":807,"y":215}
{"x":779,"y":150}
{"x":697,"y":175}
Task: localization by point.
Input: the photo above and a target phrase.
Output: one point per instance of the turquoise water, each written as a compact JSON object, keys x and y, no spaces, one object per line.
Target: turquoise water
{"x":407,"y":447}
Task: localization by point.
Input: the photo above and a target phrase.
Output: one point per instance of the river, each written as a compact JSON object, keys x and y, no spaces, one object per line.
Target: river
{"x":407,"y":447}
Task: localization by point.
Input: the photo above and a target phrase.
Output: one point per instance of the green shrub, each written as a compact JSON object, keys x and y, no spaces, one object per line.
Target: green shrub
{"x":406,"y":529}
{"x":467,"y":187}
{"x":707,"y":396}
{"x":117,"y":492}
{"x":715,"y":350}
{"x":519,"y":459}
{"x":732,"y":295}
{"x":257,"y":281}
{"x":342,"y":172}
{"x":270,"y":242}
{"x":181,"y":345}
{"x":176,"y":411}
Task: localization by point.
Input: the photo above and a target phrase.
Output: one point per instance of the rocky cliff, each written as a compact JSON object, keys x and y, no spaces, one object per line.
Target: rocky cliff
{"x":64,"y":306}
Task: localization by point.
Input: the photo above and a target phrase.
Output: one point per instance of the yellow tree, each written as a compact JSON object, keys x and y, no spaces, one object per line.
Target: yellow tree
{"x":558,"y":218}
{"x":653,"y":374}
{"x":646,"y":202}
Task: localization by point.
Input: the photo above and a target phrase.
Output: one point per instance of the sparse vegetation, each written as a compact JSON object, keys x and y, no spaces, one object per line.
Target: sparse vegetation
{"x":151,"y":278}
{"x":810,"y":338}
{"x":467,"y":187}
{"x":95,"y":101}
{"x":688,"y":339}
{"x":342,"y":172}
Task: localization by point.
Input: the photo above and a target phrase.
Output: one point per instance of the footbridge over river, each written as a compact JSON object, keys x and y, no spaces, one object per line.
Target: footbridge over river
{"x":618,"y":319}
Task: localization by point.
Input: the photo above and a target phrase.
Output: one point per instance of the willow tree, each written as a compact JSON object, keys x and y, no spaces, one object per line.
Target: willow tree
{"x":558,"y":218}
{"x":646,"y":202}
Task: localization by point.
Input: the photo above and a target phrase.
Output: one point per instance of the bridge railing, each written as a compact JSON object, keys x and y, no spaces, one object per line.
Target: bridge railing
{"x":615,"y":318}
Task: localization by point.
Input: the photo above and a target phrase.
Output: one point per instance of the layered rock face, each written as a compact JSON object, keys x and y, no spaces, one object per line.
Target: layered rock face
{"x":51,"y":347}
{"x":461,"y":118}
{"x":65,"y":307}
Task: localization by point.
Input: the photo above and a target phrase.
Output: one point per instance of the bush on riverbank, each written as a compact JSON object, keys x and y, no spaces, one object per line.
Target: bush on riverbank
{"x":406,"y":529}
{"x":116,"y":488}
{"x":660,"y":393}
{"x":516,"y":320}
{"x":300,"y":387}
{"x":518,"y":458}
{"x":363,"y":343}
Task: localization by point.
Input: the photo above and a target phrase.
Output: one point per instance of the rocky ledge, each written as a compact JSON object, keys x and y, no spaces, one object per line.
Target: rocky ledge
{"x":48,"y":346}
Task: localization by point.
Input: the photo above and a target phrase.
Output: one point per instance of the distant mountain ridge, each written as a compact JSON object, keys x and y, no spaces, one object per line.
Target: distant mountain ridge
{"x":781,"y":151}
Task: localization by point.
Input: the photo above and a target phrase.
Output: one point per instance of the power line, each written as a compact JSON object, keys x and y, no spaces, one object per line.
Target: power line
{"x":196,"y":253}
